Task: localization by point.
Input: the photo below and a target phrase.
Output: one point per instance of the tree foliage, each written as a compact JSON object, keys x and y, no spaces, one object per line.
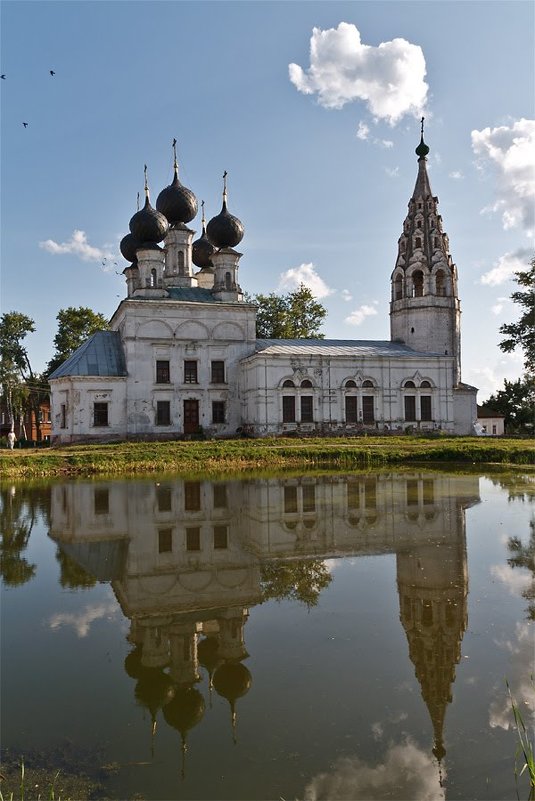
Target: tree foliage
{"x":523,"y":556}
{"x":517,"y":403}
{"x":302,"y":580}
{"x":20,"y":387}
{"x":75,"y":325}
{"x":296,"y":315}
{"x":522,"y":333}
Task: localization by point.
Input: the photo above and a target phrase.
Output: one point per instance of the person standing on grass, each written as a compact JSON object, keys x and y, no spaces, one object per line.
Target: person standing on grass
{"x":11,"y":440}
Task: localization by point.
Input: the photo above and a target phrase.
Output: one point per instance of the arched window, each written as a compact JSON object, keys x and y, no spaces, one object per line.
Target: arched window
{"x":288,"y":384}
{"x":440,"y":282}
{"x":418,"y":242}
{"x":153,"y":279}
{"x":351,"y":384}
{"x":306,"y":384}
{"x":419,"y":224}
{"x":424,"y":385}
{"x":418,"y":283}
{"x":180,"y":257}
{"x":398,"y":287}
{"x":410,"y":385}
{"x":228,"y":281}
{"x":367,"y":383}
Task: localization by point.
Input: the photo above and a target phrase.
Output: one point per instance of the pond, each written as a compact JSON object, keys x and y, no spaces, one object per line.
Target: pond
{"x":338,"y":636}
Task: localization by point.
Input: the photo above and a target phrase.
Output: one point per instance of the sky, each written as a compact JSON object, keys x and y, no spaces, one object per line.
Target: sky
{"x":314,"y":110}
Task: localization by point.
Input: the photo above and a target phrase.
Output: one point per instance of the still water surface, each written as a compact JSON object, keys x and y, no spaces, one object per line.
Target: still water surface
{"x":312,"y":637}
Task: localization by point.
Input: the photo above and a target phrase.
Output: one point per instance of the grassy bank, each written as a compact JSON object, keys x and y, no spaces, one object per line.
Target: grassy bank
{"x":216,"y":457}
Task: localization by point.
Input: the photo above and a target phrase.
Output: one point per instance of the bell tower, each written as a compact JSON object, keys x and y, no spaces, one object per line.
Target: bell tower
{"x":425,"y":312}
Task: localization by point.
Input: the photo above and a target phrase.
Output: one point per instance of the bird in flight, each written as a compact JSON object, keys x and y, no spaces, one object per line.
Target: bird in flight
{"x":52,"y":72}
{"x":25,"y":124}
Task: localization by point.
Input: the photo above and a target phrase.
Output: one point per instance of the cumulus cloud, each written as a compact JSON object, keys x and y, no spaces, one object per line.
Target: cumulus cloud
{"x":498,"y":306}
{"x":346,"y":295}
{"x":456,"y":175}
{"x":519,"y":670}
{"x":510,"y":152}
{"x":304,"y":274}
{"x":507,"y":265}
{"x":388,"y":78}
{"x":406,"y":772}
{"x":81,"y":622}
{"x":77,"y":245}
{"x":359,"y":315}
{"x":363,"y":132}
{"x":392,"y":173}
{"x":489,"y":379}
{"x":515,"y":580}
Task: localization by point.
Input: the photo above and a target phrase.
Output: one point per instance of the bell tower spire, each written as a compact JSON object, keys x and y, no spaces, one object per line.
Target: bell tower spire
{"x":425,"y":312}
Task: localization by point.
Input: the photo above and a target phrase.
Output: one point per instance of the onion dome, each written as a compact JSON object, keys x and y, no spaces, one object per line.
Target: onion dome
{"x":148,"y":225}
{"x":225,"y":230}
{"x":177,"y":202}
{"x":128,"y":247}
{"x":202,"y":249}
{"x":422,"y":150}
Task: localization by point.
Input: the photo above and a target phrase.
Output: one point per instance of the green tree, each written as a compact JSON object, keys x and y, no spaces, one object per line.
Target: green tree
{"x":21,"y":388}
{"x":516,"y":401}
{"x":522,"y":333}
{"x":17,"y":518}
{"x":296,"y":315}
{"x":75,"y":325}
{"x":302,"y":580}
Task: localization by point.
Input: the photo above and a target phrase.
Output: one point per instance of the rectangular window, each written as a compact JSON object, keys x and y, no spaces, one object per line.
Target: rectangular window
{"x":290,"y":500}
{"x":163,"y":375}
{"x":63,"y":421}
{"x":163,"y":496}
{"x":100,"y":414}
{"x":412,"y":492}
{"x":309,"y":498}
{"x":165,"y":540}
{"x":163,"y":413}
{"x":425,"y":407}
{"x":370,"y":493}
{"x":410,"y":408}
{"x":218,"y":372}
{"x":494,"y":430}
{"x":193,"y":539}
{"x":102,"y":501}
{"x":190,"y":372}
{"x":353,"y":495}
{"x":218,"y":411}
{"x":307,"y":409}
{"x":368,"y":415}
{"x":220,"y":496}
{"x":351,"y":409}
{"x":428,"y":491}
{"x":192,"y":496}
{"x":220,"y":537}
{"x":288,"y":409}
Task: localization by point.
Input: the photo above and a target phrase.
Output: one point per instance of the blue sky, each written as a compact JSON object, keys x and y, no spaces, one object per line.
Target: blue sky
{"x":320,"y":155}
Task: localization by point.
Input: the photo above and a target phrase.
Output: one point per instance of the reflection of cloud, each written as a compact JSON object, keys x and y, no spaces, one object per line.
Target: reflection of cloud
{"x":406,"y":772}
{"x":516,"y":580}
{"x":519,"y":671}
{"x":388,"y":78}
{"x":82,"y":621}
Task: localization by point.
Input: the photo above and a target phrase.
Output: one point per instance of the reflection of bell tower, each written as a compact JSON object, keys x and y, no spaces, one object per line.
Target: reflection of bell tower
{"x":433,"y":588}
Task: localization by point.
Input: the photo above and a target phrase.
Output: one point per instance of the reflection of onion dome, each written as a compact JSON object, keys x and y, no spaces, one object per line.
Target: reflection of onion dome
{"x":202,"y":249}
{"x":177,"y":202}
{"x":207,"y":653}
{"x":232,"y":680}
{"x":128,"y":247}
{"x":154,"y":689}
{"x":183,"y":713}
{"x":132,"y":663}
{"x":225,"y":230}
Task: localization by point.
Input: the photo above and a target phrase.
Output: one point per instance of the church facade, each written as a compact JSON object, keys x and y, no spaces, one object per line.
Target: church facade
{"x":181,"y":356}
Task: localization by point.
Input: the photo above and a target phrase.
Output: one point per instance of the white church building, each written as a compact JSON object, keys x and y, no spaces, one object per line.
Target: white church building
{"x":182,"y":358}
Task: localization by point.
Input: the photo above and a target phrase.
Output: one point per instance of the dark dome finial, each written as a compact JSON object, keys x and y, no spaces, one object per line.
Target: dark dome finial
{"x":225,"y":230}
{"x":202,"y":249}
{"x":422,"y":150}
{"x":148,"y":225}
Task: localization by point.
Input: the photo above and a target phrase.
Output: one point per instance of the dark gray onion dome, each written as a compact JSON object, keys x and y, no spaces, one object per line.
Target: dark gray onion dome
{"x":202,"y":250}
{"x":225,"y":230}
{"x":128,"y":247}
{"x":422,"y":150}
{"x":148,"y":225}
{"x":176,"y":202}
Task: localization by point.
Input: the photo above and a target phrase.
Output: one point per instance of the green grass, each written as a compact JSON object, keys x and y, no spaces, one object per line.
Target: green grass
{"x":525,"y":747}
{"x":220,"y":456}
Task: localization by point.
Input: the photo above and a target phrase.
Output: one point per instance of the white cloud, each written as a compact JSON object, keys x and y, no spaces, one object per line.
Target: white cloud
{"x":363,"y":131}
{"x":346,"y":295}
{"x":507,"y":265}
{"x":392,"y":173}
{"x":406,"y":772}
{"x":304,"y":274}
{"x":81,"y":623}
{"x":510,"y":151}
{"x":359,"y":315}
{"x":499,"y":306}
{"x":388,"y":78}
{"x":456,"y":175}
{"x":519,"y":670}
{"x":77,"y":245}
{"x":490,"y":379}
{"x":515,"y":580}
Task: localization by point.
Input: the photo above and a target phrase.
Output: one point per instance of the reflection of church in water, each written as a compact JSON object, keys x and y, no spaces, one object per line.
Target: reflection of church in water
{"x":186,"y":559}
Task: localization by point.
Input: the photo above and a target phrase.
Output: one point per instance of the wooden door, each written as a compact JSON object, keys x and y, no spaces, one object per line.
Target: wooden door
{"x":191,"y":416}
